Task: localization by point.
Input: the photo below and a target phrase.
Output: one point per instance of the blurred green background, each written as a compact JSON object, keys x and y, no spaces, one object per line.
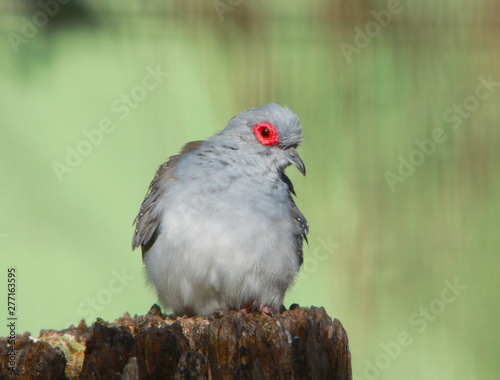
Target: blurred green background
{"x":400,"y":104}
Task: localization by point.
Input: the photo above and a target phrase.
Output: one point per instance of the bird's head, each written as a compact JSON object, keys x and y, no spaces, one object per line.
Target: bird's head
{"x":270,"y":132}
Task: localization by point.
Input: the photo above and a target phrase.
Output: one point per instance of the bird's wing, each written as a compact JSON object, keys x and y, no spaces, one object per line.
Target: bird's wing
{"x":147,"y":222}
{"x":301,"y":230}
{"x":301,"y":226}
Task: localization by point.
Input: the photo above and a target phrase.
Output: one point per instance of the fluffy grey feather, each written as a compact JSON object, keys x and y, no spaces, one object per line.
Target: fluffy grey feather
{"x":218,"y":228}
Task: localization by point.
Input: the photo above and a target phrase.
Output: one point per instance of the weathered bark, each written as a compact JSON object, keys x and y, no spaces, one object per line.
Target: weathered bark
{"x":300,"y":343}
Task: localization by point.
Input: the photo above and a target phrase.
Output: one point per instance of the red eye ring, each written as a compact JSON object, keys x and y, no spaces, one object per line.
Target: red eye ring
{"x":266,"y":133}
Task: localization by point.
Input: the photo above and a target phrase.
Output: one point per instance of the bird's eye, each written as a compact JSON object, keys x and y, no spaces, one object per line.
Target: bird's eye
{"x":266,"y":133}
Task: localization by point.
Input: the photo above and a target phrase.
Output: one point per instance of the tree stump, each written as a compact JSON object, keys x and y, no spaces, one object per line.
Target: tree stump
{"x":300,"y":343}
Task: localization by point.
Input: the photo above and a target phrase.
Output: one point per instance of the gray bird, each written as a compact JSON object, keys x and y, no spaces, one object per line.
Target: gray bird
{"x":218,"y":228}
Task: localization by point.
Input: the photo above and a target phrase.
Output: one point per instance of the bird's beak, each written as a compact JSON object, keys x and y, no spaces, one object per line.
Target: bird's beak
{"x":295,"y":160}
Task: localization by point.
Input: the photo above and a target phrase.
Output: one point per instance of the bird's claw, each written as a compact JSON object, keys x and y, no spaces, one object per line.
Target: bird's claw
{"x":247,"y":309}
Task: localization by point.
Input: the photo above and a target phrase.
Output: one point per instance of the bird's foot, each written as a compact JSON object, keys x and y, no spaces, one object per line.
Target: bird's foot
{"x":265,"y":309}
{"x":247,"y":309}
{"x":222,"y":312}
